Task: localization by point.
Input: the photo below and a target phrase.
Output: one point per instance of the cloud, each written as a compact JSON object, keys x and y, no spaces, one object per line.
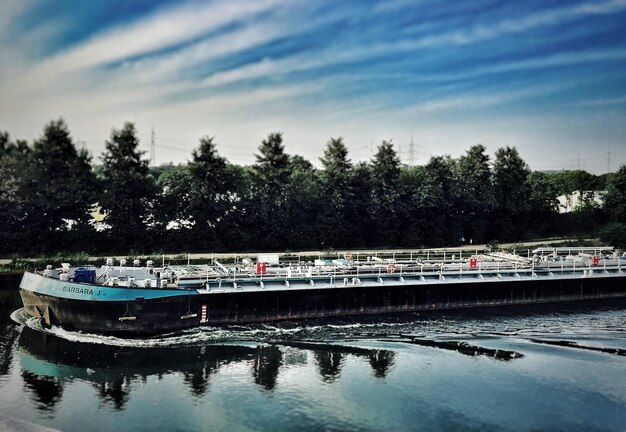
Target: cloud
{"x":520,"y":24}
{"x":164,"y":29}
{"x":10,"y":11}
{"x":170,"y":65}
{"x":485,"y":99}
{"x":238,"y":68}
{"x":338,"y":54}
{"x":602,"y":102}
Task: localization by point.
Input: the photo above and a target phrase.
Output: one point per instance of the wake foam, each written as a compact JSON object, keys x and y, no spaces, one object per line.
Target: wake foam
{"x":558,"y":324}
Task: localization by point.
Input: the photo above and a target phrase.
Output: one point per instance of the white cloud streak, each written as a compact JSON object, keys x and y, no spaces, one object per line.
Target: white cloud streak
{"x":159,"y":56}
{"x":163,"y":29}
{"x":339,"y":55}
{"x":604,"y":102}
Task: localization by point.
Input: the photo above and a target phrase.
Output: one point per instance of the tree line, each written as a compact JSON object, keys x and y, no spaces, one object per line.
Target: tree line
{"x":49,"y":190}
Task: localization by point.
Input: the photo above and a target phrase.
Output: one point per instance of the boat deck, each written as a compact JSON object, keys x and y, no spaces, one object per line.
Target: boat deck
{"x":246,"y":275}
{"x":422,"y":278}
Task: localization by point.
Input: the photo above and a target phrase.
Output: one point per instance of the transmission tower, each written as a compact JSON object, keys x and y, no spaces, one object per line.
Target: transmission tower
{"x":411,"y":152}
{"x":152,"y":148}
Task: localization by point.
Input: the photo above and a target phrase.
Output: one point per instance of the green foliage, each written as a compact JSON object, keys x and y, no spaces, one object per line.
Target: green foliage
{"x":304,"y":192}
{"x":20,"y":264}
{"x":476,"y":198}
{"x":336,"y":194}
{"x":493,"y":246}
{"x":615,"y":197}
{"x":13,"y":201}
{"x":48,"y":189}
{"x":512,"y":194}
{"x":128,"y":191}
{"x":385,"y":195}
{"x":570,"y":181}
{"x":61,"y":179}
{"x":386,"y":167}
{"x":268,"y":204}
{"x":614,"y":234}
{"x":211,"y":196}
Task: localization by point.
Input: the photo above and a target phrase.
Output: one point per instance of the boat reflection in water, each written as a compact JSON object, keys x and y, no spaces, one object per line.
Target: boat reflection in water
{"x":49,"y":363}
{"x":548,"y":371}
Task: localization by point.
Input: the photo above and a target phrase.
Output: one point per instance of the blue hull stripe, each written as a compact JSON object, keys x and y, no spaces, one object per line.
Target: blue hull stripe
{"x":76,"y":291}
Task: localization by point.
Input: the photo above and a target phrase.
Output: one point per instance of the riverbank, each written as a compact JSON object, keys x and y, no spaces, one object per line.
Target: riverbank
{"x":9,"y":279}
{"x":308,"y":254}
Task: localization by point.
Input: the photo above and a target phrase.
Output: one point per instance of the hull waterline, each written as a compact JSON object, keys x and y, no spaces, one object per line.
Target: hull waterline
{"x":142,"y":312}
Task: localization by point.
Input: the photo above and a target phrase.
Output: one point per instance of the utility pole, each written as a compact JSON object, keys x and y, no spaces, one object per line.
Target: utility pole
{"x":152,"y":147}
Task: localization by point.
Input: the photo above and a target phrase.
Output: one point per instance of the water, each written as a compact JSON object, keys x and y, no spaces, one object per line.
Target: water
{"x":471,"y":371}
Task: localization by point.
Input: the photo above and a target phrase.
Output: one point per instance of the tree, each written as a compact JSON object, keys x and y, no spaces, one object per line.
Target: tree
{"x":14,"y":200}
{"x":417,"y":206}
{"x":359,"y":218}
{"x":571,"y":181}
{"x":269,"y":202}
{"x":543,"y":204}
{"x":615,"y":197}
{"x":174,"y":185}
{"x":242,"y":222}
{"x":303,"y":204}
{"x":386,"y":167}
{"x":614,"y":234}
{"x":335,"y":194}
{"x":512,"y":194}
{"x":128,"y":191}
{"x":384,"y":210}
{"x":475,"y":193}
{"x":61,"y":186}
{"x":442,"y":192}
{"x":272,"y":163}
{"x":210,"y":197}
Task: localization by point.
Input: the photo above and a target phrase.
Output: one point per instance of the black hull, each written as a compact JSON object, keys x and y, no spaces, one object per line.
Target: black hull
{"x":165,"y":315}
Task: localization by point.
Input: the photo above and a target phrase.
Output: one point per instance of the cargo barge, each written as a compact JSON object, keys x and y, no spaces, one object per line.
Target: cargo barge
{"x":134,"y":301}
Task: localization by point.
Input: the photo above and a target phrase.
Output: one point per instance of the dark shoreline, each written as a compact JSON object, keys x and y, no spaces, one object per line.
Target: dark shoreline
{"x":7,"y":279}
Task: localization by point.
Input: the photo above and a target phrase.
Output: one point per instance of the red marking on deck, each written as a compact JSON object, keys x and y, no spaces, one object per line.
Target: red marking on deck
{"x":203,"y":315}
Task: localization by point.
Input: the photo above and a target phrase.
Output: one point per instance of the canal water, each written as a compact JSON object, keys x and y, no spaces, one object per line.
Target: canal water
{"x":560,"y":368}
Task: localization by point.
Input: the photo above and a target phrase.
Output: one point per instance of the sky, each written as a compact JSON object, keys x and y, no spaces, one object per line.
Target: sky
{"x":545,"y":76}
